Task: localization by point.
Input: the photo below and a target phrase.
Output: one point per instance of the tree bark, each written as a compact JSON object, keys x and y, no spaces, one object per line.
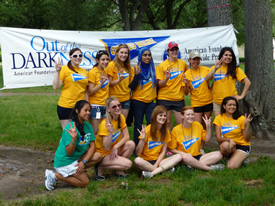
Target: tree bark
{"x":219,"y":12}
{"x":259,"y":67}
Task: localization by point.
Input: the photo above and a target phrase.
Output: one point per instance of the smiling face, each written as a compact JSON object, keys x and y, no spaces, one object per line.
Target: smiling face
{"x":230,"y":107}
{"x":76,"y":60}
{"x":146,"y":57}
{"x":84,"y":113}
{"x":227,"y":57}
{"x":188,"y":116}
{"x":114,"y":108}
{"x":195,"y":62}
{"x":103,"y":61}
{"x":173,"y":53}
{"x":122,"y":54}
{"x":161,"y":118}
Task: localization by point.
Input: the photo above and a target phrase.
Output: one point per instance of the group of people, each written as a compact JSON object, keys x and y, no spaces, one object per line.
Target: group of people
{"x":105,"y":94}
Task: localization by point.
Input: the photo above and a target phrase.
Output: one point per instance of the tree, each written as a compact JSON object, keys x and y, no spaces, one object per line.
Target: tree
{"x":259,"y":67}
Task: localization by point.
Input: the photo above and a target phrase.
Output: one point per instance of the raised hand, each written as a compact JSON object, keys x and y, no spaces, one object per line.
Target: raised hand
{"x":168,"y":73}
{"x":72,"y":131}
{"x":121,"y":76}
{"x":137,"y":68}
{"x":109,"y":126}
{"x":207,"y":121}
{"x":58,"y":64}
{"x":142,"y":133}
{"x":218,"y":64}
{"x":184,"y":79}
{"x":103,"y":79}
{"x":248,"y":119}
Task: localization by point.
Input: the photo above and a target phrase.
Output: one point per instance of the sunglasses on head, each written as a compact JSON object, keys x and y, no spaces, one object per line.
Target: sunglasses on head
{"x":115,"y":106}
{"x":77,"y":55}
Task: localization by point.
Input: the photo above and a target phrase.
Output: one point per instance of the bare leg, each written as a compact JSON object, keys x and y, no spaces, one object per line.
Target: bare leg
{"x":236,"y":159}
{"x":188,"y":159}
{"x":64,"y":122}
{"x":169,"y":120}
{"x":81,"y":180}
{"x":198,"y":117}
{"x":95,"y":123}
{"x":125,"y":112}
{"x":227,"y":148}
{"x":167,"y":163}
{"x":177,"y":117}
{"x":211,"y":158}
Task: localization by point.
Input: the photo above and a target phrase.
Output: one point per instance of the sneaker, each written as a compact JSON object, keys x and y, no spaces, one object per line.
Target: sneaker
{"x":172,"y":169}
{"x":168,"y":154}
{"x":217,"y":167}
{"x":99,"y":177}
{"x":50,"y":179}
{"x":245,"y":162}
{"x":202,"y":151}
{"x":147,"y":174}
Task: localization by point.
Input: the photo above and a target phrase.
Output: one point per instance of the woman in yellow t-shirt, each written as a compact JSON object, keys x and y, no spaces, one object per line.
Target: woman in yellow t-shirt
{"x":98,"y":89}
{"x":113,"y":142}
{"x":186,"y":140}
{"x":75,"y":83}
{"x":225,"y":74}
{"x":232,"y":132}
{"x":119,"y":74}
{"x":152,"y":146}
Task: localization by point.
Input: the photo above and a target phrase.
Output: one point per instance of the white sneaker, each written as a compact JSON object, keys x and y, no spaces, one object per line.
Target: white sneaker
{"x":202,"y":151}
{"x":172,"y":169}
{"x":50,"y":179}
{"x":147,"y":174}
{"x":217,"y":167}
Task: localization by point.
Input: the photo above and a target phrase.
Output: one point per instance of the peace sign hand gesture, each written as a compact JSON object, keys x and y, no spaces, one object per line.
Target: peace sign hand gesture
{"x":184,"y":79}
{"x":121,"y":76}
{"x":109,"y":126}
{"x":72,"y":131}
{"x":58,"y":64}
{"x":218,"y":64}
{"x":248,"y":119}
{"x":142,"y":132}
{"x":137,"y":68}
{"x":168,"y":73}
{"x":207,"y":121}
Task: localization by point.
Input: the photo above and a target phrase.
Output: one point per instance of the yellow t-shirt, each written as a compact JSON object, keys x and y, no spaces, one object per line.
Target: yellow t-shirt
{"x":103,"y":93}
{"x":74,"y":86}
{"x":173,"y":90}
{"x":145,"y":94}
{"x":103,"y":131}
{"x":224,"y":86}
{"x":121,"y":90}
{"x":232,"y":128}
{"x":152,"y":148}
{"x":187,"y":140}
{"x":201,"y":95}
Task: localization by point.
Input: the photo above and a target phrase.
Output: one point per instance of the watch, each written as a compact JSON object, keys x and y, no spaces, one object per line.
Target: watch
{"x":84,"y":161}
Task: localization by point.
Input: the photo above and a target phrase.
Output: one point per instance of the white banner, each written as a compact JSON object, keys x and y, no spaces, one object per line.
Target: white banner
{"x":28,"y":54}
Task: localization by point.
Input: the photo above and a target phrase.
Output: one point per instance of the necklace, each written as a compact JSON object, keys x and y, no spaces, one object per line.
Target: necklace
{"x":177,"y":64}
{"x":192,"y":73}
{"x":184,"y":134}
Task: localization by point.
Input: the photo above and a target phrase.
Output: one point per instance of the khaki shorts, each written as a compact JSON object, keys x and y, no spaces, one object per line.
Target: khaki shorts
{"x":216,"y":107}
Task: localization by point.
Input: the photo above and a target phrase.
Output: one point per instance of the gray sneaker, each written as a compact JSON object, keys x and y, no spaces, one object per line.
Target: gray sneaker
{"x":172,"y":169}
{"x":147,"y":174}
{"x":50,"y":180}
{"x":217,"y":167}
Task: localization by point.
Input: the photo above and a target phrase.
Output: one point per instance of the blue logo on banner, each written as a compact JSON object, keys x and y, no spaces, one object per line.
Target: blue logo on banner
{"x":219,"y":76}
{"x":197,"y":83}
{"x":152,"y":144}
{"x":134,"y":44}
{"x":228,"y":129}
{"x":105,"y":83}
{"x":175,"y":74}
{"x":115,"y":136}
{"x":189,"y":143}
{"x":77,"y":77}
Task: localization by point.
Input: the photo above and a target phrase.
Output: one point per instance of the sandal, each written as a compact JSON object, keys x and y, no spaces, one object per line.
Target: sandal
{"x":101,"y":177}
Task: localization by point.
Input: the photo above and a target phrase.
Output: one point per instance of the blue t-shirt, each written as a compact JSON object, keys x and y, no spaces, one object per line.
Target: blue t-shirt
{"x":61,"y":158}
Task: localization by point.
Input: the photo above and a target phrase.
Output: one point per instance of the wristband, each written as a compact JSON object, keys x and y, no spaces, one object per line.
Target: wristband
{"x":72,"y":143}
{"x":84,"y":161}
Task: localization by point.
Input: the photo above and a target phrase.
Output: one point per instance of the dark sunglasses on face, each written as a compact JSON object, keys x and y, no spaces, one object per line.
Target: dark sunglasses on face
{"x":174,"y":49}
{"x":115,"y":106}
{"x":77,"y":55}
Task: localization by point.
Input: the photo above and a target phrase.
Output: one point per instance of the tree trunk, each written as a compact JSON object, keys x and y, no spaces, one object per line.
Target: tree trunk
{"x":259,"y":67}
{"x":219,"y":12}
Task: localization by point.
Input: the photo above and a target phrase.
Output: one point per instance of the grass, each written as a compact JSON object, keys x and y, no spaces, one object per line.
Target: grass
{"x":31,"y":121}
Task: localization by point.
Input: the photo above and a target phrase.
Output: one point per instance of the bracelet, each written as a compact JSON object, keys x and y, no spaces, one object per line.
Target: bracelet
{"x":73,"y":142}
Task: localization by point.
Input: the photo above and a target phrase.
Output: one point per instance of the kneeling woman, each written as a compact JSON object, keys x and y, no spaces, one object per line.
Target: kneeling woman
{"x":152,"y":146}
{"x":76,"y":150}
{"x":113,"y":142}
{"x":187,"y":138}
{"x":232,"y":132}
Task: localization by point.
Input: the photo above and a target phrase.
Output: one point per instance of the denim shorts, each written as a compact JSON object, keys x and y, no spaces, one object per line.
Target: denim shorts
{"x":95,"y":110}
{"x":125,"y":105}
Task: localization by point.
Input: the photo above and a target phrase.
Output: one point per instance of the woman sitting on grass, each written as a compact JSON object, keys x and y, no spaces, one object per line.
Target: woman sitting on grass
{"x":152,"y":146}
{"x":76,"y":150}
{"x":113,"y":142}
{"x":187,"y":138}
{"x":232,"y":132}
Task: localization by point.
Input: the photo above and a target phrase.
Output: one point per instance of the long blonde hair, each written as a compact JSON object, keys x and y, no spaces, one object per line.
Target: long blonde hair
{"x":154,"y":128}
{"x":126,"y":63}
{"x":108,"y":115}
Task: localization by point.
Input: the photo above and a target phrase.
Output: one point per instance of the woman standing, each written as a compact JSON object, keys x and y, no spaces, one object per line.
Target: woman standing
{"x":75,"y":83}
{"x":226,"y":73}
{"x":98,"y":89}
{"x":152,"y":146}
{"x":169,"y":76}
{"x":144,"y":91}
{"x":119,"y":74}
{"x":76,"y":150}
{"x":186,"y":140}
{"x":232,"y":132}
{"x":113,"y":142}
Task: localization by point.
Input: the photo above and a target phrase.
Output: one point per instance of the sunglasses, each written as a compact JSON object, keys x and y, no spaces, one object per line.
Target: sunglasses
{"x":77,"y":55}
{"x":116,"y":106}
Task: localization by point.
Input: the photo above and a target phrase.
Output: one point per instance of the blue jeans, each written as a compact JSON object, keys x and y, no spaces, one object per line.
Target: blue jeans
{"x":139,"y":110}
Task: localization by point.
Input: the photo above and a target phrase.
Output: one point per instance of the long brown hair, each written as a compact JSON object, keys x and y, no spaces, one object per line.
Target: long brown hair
{"x":154,"y":128}
{"x":126,"y":63}
{"x":108,"y":115}
{"x":232,"y":66}
{"x":69,"y":64}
